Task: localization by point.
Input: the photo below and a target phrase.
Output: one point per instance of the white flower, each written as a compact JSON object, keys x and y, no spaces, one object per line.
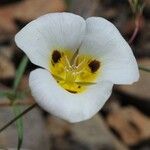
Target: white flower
{"x":81,"y":60}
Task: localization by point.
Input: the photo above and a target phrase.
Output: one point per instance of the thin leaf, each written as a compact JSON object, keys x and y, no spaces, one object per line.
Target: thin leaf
{"x":19,"y":73}
{"x":11,"y":95}
{"x":19,"y":125}
{"x":144,"y":68}
{"x":3,"y":94}
{"x":17,"y":117}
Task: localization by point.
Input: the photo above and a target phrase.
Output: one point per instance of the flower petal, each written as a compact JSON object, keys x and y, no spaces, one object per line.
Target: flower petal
{"x":54,"y":30}
{"x":104,"y":41}
{"x":71,"y":107}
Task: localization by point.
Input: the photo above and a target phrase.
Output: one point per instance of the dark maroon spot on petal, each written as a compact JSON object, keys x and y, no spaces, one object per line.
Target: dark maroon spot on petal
{"x":56,"y":56}
{"x":94,"y":65}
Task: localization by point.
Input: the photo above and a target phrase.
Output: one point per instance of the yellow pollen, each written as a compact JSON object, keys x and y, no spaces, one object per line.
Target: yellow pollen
{"x":72,"y":71}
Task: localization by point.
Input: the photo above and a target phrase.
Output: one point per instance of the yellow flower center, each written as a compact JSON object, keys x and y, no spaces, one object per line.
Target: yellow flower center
{"x":72,"y":71}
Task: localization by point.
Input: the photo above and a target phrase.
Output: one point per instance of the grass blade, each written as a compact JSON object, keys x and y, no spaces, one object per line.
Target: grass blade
{"x":20,"y":71}
{"x":3,"y":94}
{"x":17,"y":117}
{"x":144,"y":68}
{"x":19,"y":125}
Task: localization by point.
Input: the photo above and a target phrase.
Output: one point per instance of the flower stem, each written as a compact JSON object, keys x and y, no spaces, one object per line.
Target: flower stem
{"x":144,"y":68}
{"x":18,"y":116}
{"x":134,"y":35}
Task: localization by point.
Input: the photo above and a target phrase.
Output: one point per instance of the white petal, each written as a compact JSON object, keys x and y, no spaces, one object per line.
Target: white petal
{"x":104,"y":41}
{"x":71,"y":107}
{"x":49,"y":32}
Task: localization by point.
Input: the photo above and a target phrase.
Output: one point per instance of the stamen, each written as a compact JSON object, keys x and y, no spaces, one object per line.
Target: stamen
{"x":67,"y":61}
{"x":74,"y":72}
{"x":75,"y":61}
{"x":80,"y":64}
{"x":74,"y":56}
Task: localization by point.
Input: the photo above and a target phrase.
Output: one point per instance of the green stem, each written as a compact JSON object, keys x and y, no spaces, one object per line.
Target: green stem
{"x":12,"y":97}
{"x":19,"y":73}
{"x":17,"y":117}
{"x":144,"y":68}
